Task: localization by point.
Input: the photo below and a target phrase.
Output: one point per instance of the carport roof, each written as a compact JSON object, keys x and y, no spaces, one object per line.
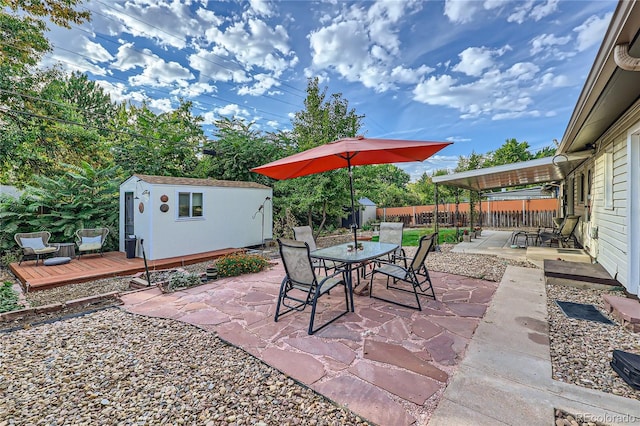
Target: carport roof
{"x":541,"y":170}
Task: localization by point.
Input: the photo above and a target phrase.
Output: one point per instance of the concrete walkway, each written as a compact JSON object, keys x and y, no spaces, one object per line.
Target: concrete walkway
{"x":505,"y":377}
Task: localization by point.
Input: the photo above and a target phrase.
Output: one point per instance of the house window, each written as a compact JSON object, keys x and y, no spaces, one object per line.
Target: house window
{"x":189,"y":204}
{"x":581,"y":188}
{"x":608,"y":180}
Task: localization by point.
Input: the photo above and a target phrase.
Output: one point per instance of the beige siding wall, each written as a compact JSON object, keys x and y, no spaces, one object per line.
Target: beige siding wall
{"x":610,"y":246}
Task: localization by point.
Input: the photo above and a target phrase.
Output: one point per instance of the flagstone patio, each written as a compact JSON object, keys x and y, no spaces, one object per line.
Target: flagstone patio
{"x":388,"y":364}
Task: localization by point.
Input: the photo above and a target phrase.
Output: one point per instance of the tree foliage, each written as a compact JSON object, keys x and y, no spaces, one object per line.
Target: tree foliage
{"x":83,"y":197}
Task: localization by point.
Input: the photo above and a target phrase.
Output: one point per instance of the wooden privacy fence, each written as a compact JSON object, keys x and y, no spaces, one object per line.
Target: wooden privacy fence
{"x":529,"y":213}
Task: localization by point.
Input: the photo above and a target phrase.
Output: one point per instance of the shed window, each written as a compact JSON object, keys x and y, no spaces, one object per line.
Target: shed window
{"x":608,"y":180}
{"x":189,"y":204}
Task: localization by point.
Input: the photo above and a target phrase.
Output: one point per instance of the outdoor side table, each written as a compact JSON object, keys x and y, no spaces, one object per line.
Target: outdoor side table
{"x":66,"y":249}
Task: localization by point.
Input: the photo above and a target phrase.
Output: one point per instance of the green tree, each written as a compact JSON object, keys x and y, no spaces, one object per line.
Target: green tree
{"x":510,"y":152}
{"x":54,"y":122}
{"x":323,"y":120}
{"x":166,"y":144}
{"x":83,"y":197}
{"x":238,"y":148}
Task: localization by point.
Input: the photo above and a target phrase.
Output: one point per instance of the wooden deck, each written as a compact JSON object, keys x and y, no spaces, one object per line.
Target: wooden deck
{"x":93,"y":266}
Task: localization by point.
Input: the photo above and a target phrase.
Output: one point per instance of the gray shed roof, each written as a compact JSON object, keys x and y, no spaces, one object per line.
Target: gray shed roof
{"x":171,"y":180}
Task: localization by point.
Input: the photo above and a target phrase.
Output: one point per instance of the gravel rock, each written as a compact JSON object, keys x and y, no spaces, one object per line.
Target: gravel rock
{"x":111,"y":367}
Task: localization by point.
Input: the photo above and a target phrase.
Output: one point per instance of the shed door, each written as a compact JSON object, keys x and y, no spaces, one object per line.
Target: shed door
{"x":128,"y":214}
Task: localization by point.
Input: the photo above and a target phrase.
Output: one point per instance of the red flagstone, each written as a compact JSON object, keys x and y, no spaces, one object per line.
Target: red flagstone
{"x":399,"y":356}
{"x":204,"y":317}
{"x":382,"y":361}
{"x":468,"y":309}
{"x":407,"y":385}
{"x":335,"y":350}
{"x":300,"y":366}
{"x":365,"y":399}
{"x":425,"y":328}
{"x":462,"y":326}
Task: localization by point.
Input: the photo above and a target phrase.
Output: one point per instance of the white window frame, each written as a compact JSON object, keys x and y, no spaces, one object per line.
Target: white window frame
{"x":191,"y":216}
{"x":608,"y":180}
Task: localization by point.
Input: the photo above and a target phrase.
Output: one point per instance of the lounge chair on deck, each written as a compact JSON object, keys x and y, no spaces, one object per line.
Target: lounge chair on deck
{"x":35,"y":244}
{"x":91,"y":240}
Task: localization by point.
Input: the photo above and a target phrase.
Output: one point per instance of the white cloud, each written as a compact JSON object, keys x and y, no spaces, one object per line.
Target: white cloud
{"x":494,"y":93}
{"x":532,"y":9}
{"x":591,"y":31}
{"x":120,"y":92}
{"x":461,"y":11}
{"x":261,"y":7}
{"x":545,"y":41}
{"x":231,"y":110}
{"x":370,"y":52}
{"x":160,"y":105}
{"x":193,"y":90}
{"x":169,"y":23}
{"x":159,"y":73}
{"x":474,"y":60}
{"x":215,"y":67}
{"x":273,"y":124}
{"x":128,"y":58}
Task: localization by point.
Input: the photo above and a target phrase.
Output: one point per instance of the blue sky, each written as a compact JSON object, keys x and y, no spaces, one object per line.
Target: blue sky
{"x":472,"y":72}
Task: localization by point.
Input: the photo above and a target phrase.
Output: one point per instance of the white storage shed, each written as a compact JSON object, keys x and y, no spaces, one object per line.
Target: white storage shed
{"x":177,"y":216}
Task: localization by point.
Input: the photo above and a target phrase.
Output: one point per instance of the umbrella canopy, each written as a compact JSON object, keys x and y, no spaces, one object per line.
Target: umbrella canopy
{"x":349,"y":152}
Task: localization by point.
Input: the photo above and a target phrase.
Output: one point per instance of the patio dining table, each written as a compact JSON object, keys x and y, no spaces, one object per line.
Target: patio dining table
{"x":340,"y":254}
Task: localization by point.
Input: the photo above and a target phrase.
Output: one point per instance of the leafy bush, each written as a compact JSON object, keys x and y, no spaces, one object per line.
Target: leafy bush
{"x":8,"y":298}
{"x":183,"y":280}
{"x":10,"y":256}
{"x":238,"y":264}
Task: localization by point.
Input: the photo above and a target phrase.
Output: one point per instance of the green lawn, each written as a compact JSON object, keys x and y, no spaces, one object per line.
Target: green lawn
{"x":410,"y":237}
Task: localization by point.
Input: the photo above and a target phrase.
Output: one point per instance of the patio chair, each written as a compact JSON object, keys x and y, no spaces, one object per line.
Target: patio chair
{"x":565,"y":233}
{"x":305,"y":234}
{"x":391,"y":232}
{"x":91,"y":240}
{"x":412,"y":278}
{"x":35,"y":244}
{"x":300,"y":286}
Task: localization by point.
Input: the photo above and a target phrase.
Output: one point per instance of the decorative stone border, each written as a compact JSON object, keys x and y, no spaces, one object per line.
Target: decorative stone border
{"x":55,"y":307}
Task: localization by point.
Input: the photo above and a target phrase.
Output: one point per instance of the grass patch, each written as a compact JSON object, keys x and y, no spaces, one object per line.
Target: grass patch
{"x":410,"y":237}
{"x":8,"y":298}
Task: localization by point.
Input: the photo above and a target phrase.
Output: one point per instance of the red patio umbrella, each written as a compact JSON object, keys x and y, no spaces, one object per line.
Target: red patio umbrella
{"x":348,"y":152}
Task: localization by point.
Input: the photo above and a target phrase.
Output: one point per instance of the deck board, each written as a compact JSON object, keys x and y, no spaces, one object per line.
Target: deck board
{"x":93,"y":266}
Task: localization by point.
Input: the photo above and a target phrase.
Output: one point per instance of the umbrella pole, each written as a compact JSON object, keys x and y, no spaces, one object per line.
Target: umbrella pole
{"x":354,"y":222}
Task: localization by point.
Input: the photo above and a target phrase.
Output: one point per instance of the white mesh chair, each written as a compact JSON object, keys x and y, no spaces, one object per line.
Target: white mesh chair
{"x":35,"y":244}
{"x":564,"y":235}
{"x":413,"y":278}
{"x":301,"y":287}
{"x":391,"y":232}
{"x":305,"y":234}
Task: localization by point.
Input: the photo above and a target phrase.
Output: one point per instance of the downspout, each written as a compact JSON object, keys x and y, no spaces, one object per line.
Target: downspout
{"x":436,"y":228}
{"x":624,"y":60}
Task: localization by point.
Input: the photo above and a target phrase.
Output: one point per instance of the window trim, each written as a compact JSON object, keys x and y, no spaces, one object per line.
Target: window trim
{"x":191,"y":216}
{"x":608,"y":180}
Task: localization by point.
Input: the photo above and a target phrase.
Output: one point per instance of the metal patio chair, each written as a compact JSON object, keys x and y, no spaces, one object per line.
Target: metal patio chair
{"x":412,"y":278}
{"x":305,"y":234}
{"x":391,"y":232}
{"x":300,"y":286}
{"x":35,"y":244}
{"x":565,"y":233}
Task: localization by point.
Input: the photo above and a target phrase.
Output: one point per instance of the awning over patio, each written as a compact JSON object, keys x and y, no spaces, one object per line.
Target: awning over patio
{"x":541,"y":170}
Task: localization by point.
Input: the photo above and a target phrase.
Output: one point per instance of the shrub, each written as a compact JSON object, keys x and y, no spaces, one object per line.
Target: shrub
{"x":238,"y":264}
{"x":8,"y":298}
{"x":183,"y":280}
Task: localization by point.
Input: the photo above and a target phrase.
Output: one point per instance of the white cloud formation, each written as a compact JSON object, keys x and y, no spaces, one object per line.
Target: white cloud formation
{"x":120,"y":92}
{"x":545,"y":41}
{"x":159,"y":73}
{"x":463,"y":11}
{"x":591,"y":31}
{"x":261,"y":7}
{"x":160,"y":105}
{"x":370,"y":52}
{"x":532,"y":9}
{"x":193,"y":90}
{"x":475,"y":60}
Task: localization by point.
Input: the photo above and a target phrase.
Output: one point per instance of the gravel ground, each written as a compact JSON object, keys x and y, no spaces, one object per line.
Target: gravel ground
{"x":111,"y":367}
{"x":131,"y":369}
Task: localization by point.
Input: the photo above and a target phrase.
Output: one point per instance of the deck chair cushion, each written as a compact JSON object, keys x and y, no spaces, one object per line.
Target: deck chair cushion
{"x":56,"y":261}
{"x":92,"y":240}
{"x":33,"y":243}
